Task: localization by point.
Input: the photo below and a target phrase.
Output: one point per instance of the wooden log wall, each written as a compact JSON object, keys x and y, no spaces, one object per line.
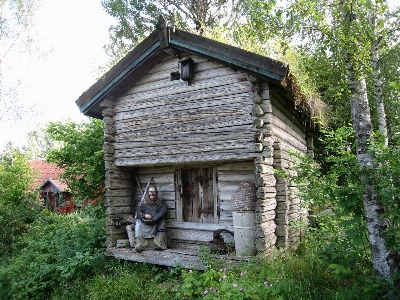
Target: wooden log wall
{"x":190,"y":234}
{"x":265,"y":179}
{"x":164,"y":121}
{"x":230,"y":175}
{"x":225,"y":119}
{"x":288,"y":135}
{"x":118,"y":184}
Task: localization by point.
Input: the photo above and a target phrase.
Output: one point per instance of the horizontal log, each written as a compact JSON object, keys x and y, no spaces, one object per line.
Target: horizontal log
{"x":192,"y":235}
{"x":226,"y":206}
{"x":111,"y":183}
{"x":242,"y":144}
{"x":229,"y":187}
{"x":119,"y":201}
{"x":126,"y":202}
{"x":227,"y":104}
{"x":119,"y":193}
{"x":268,"y":227}
{"x":170,"y":63}
{"x":292,"y":143}
{"x":265,"y":216}
{"x":199,"y":76}
{"x":172,"y":129}
{"x":199,"y":226}
{"x":280,"y":120}
{"x":226,"y":216}
{"x":266,"y":242}
{"x":225,"y":196}
{"x":282,"y":164}
{"x":188,"y":159}
{"x":265,"y":180}
{"x":267,"y":204}
{"x":287,"y":107}
{"x":134,"y":102}
{"x":182,"y":87}
{"x":148,"y":172}
{"x":179,"y":138}
{"x":117,"y":174}
{"x":244,"y":165}
{"x":264,"y":169}
{"x":236,"y":176}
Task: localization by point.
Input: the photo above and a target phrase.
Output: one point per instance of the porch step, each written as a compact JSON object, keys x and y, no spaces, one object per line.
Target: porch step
{"x":185,"y":258}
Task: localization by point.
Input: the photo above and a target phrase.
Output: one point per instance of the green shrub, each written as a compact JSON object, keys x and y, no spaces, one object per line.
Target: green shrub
{"x":283,"y":275}
{"x":18,"y":207}
{"x":57,"y":250}
{"x":122,"y":280}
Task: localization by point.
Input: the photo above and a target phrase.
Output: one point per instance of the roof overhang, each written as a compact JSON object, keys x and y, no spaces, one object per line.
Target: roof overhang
{"x":49,"y":180}
{"x":151,"y":50}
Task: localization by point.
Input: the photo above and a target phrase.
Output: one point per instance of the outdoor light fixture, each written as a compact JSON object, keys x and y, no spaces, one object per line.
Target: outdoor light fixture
{"x":117,"y":221}
{"x":187,"y":69}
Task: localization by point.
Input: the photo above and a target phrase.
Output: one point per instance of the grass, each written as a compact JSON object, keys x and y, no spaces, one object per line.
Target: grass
{"x":284,"y":275}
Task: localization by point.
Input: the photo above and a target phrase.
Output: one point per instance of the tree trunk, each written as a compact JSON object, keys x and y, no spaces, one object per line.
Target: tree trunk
{"x":380,"y":107}
{"x":362,"y":126}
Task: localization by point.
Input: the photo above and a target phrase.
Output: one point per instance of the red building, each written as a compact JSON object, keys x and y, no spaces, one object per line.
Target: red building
{"x":54,"y":191}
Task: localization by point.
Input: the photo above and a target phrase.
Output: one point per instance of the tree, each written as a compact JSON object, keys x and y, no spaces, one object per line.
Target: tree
{"x":39,"y":144}
{"x":136,"y":19}
{"x":16,"y":18}
{"x":18,"y":204}
{"x":341,"y":31}
{"x":80,"y":155}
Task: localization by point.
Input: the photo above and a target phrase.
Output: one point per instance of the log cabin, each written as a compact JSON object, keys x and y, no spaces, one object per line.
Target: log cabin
{"x":209,"y":123}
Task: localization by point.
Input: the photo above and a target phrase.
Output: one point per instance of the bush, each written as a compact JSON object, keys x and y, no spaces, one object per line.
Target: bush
{"x":284,"y":275}
{"x":123,"y":280}
{"x":57,"y":250}
{"x":18,"y":207}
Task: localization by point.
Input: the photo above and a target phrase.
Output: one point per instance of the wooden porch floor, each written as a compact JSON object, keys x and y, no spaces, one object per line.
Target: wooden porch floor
{"x":185,"y":258}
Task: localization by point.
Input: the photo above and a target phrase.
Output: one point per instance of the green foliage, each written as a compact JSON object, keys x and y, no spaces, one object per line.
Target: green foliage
{"x":39,"y":144}
{"x":330,"y":36}
{"x":16,"y":42}
{"x":18,"y":206}
{"x":122,"y":280}
{"x":284,"y":275}
{"x":334,"y":192}
{"x":137,"y":19}
{"x":81,"y":156}
{"x":57,"y":250}
{"x":386,"y":178}
{"x":334,"y":181}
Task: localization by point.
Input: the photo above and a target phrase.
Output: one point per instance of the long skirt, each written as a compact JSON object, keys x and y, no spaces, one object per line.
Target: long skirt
{"x":145,"y":232}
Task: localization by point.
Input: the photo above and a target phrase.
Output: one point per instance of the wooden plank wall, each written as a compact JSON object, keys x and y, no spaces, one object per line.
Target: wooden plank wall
{"x":163,"y":121}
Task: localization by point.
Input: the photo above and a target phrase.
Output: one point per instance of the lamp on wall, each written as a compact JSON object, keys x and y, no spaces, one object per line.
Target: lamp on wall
{"x":187,"y":69}
{"x":117,"y":221}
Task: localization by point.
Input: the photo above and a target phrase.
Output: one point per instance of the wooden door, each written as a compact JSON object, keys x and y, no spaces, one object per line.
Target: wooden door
{"x":198,"y":203}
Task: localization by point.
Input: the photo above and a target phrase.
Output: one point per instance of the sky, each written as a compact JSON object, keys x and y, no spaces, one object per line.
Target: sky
{"x":71,"y":35}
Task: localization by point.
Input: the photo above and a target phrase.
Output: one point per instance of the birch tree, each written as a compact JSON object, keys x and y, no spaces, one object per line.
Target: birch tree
{"x":16,"y":17}
{"x":344,"y":32}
